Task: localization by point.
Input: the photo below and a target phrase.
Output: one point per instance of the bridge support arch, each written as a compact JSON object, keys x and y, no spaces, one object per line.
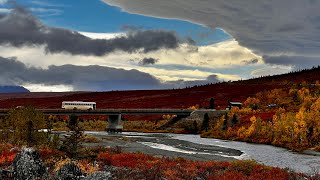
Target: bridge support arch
{"x":115,"y":123}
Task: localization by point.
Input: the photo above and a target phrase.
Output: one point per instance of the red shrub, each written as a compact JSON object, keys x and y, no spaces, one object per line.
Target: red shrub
{"x":6,"y":154}
{"x":48,"y":153}
{"x":131,"y":160}
{"x":231,"y":175}
{"x":149,"y":167}
{"x":261,"y":172}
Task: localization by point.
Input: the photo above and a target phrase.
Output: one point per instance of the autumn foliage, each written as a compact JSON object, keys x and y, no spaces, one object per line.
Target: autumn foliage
{"x":288,"y":117}
{"x":6,"y":154}
{"x":132,"y":166}
{"x":149,"y":167}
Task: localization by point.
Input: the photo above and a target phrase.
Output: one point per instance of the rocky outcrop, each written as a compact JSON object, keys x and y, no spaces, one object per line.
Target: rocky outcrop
{"x":69,"y":171}
{"x":6,"y":174}
{"x":28,"y":165}
{"x":102,"y":175}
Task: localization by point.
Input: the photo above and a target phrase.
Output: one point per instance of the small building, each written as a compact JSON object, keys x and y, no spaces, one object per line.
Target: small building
{"x":234,"y":104}
{"x":272,"y":105}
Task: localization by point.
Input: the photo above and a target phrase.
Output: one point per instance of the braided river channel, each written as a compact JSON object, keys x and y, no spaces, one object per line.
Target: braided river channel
{"x":196,"y":148}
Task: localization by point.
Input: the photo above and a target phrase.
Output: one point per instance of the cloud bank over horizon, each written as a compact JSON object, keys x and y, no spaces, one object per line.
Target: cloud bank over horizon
{"x":86,"y":78}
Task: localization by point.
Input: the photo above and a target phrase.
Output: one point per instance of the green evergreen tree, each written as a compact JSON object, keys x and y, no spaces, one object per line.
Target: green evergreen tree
{"x":72,"y":142}
{"x":205,"y":122}
{"x":211,"y":104}
{"x":234,"y":119}
{"x":195,"y":127}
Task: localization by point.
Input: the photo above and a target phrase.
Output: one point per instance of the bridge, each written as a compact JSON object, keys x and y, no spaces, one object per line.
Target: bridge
{"x":114,"y":115}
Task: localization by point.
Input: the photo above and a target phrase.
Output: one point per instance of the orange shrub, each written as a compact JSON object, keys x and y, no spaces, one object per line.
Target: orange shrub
{"x":87,"y":167}
{"x":6,"y":154}
{"x":6,"y":158}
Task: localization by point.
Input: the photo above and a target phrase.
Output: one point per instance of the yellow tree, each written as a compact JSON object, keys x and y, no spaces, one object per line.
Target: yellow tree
{"x":276,"y":96}
{"x":255,"y":127}
{"x":313,"y":123}
{"x":263,"y":97}
{"x":252,"y":103}
{"x":242,"y":133}
{"x":294,"y":94}
{"x":252,"y":129}
{"x":300,"y":127}
{"x":316,"y":105}
{"x":317,"y":84}
{"x":234,"y":110}
{"x":217,"y":130}
{"x":302,"y":94}
{"x":283,"y":128}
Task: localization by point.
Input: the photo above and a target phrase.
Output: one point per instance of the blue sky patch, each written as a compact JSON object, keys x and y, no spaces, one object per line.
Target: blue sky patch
{"x":96,"y":16}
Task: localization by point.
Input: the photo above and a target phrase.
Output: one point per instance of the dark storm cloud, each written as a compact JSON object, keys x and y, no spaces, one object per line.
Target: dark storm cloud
{"x":98,"y":78}
{"x":148,"y":61}
{"x":267,"y":27}
{"x":252,"y":61}
{"x":190,"y":41}
{"x":86,"y":78}
{"x":298,"y":62}
{"x":182,"y":83}
{"x":19,"y":28}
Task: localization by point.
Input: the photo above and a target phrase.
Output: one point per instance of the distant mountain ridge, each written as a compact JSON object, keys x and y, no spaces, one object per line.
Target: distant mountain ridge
{"x":13,"y":89}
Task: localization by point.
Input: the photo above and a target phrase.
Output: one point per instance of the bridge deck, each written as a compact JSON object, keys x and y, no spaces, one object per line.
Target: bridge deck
{"x":110,"y":111}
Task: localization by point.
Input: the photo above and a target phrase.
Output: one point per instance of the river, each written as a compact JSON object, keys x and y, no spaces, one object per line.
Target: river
{"x":196,"y":148}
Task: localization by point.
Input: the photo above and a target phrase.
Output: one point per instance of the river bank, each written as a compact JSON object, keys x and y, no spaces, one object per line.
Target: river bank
{"x":32,"y":163}
{"x":162,"y":145}
{"x":196,"y":148}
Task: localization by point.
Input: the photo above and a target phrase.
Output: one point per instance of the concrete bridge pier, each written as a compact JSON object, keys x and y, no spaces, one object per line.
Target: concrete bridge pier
{"x":115,"y":123}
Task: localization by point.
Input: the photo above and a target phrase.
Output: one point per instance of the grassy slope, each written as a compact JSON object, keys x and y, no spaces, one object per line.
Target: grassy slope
{"x":179,"y":98}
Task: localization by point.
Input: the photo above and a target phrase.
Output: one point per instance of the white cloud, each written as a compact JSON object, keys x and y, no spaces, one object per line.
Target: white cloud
{"x":102,"y":35}
{"x":271,"y":70}
{"x":47,"y":4}
{"x":4,"y":10}
{"x":47,"y":88}
{"x":46,"y":11}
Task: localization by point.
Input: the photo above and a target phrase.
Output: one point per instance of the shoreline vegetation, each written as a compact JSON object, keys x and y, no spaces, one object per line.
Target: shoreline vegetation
{"x":121,"y":165}
{"x":292,"y":122}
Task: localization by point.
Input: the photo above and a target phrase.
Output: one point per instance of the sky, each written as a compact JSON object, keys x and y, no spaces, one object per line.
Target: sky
{"x":102,"y":45}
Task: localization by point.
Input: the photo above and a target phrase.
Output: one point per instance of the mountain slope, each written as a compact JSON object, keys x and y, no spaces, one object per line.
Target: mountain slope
{"x":13,"y":89}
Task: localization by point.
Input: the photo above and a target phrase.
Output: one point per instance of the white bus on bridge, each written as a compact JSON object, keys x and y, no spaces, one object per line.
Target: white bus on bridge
{"x":78,"y":105}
